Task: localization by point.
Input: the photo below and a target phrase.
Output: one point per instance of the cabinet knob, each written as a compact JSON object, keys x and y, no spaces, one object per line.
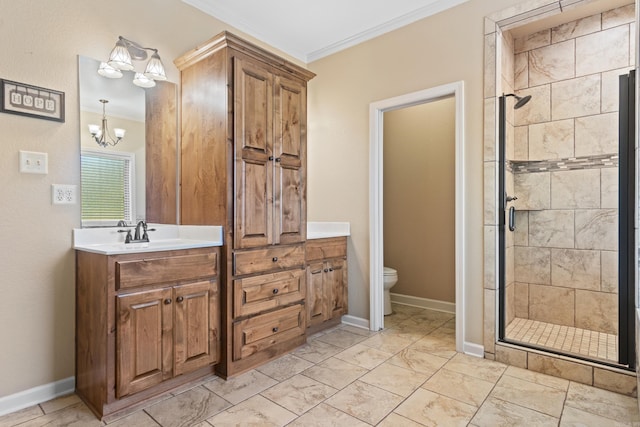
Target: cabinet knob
{"x":180,"y":299}
{"x":167,"y":301}
{"x":326,"y":270}
{"x":275,"y":291}
{"x":331,"y":269}
{"x":270,"y":158}
{"x":274,"y":259}
{"x":278,"y":160}
{"x":275,"y":329}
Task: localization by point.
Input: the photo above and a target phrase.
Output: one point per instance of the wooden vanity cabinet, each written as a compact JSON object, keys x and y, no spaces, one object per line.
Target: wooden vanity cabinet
{"x":145,"y":323}
{"x":243,"y":154}
{"x":327,"y":297}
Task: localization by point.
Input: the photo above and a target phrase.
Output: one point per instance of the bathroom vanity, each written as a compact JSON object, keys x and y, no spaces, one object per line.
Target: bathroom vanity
{"x":147,"y":316}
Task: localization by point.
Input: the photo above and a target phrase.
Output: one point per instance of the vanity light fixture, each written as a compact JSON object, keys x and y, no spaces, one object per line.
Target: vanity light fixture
{"x":101,"y":134}
{"x":122,"y":57}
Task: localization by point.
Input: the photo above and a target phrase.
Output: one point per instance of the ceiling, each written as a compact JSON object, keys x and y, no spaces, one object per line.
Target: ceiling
{"x":311,"y":30}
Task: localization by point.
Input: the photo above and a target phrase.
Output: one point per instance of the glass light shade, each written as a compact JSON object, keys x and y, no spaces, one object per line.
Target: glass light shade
{"x":108,"y":71}
{"x":120,"y":57}
{"x":155,"y":69}
{"x":119,"y":132}
{"x":143,"y":81}
{"x":94,"y":130}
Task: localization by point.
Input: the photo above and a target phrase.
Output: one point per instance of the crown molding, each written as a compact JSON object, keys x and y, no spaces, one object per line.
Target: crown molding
{"x":241,"y":24}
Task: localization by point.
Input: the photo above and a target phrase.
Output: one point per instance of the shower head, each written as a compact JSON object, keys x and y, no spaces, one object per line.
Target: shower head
{"x":520,"y":100}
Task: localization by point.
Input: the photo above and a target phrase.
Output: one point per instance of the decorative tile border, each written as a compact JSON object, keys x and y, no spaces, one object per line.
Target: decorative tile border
{"x":570,"y":163}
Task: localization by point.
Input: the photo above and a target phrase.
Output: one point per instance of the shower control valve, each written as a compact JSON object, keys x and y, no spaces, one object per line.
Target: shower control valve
{"x":511,"y":199}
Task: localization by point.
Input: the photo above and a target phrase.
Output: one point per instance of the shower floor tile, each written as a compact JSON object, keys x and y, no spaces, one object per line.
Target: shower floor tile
{"x":583,"y":342}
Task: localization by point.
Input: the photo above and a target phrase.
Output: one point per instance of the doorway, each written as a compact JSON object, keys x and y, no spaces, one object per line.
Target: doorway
{"x":377,"y":110}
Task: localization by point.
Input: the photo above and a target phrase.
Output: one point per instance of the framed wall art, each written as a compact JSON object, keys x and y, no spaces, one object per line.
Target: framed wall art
{"x":32,"y":101}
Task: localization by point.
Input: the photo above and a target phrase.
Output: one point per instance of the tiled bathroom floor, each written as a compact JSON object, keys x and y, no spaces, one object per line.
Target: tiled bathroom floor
{"x":407,"y":375}
{"x":597,"y":345}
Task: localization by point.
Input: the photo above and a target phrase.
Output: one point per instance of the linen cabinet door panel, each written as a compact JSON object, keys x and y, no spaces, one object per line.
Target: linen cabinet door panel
{"x":253,"y":134}
{"x":316,"y":301}
{"x":290,"y":161}
{"x":336,"y":274}
{"x":144,"y":340}
{"x":196,"y":326}
{"x":254,"y":204}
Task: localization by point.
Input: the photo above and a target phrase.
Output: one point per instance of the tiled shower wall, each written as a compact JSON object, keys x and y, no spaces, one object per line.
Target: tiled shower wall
{"x":562,"y":162}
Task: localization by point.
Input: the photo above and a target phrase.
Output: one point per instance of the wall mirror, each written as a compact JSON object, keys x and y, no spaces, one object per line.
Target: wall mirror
{"x":135,"y":179}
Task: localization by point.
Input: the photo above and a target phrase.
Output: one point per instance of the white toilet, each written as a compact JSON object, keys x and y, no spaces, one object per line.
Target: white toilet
{"x":390,"y":279}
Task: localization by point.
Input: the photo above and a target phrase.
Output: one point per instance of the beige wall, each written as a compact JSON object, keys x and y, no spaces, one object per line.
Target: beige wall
{"x":419,"y":199}
{"x":40,"y":42}
{"x":444,"y":48}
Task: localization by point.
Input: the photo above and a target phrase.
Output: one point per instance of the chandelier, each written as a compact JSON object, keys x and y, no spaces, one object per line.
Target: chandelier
{"x":101,"y":134}
{"x":121,"y":59}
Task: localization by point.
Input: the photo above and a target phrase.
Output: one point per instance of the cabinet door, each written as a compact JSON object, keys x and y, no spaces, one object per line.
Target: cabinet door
{"x":336,"y":286}
{"x":196,"y":326}
{"x":316,"y":298}
{"x":253,"y":134}
{"x":290,"y":224}
{"x":144,"y":340}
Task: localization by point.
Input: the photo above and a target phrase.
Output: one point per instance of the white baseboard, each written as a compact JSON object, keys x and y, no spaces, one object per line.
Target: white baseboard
{"x":472,"y":349}
{"x":430,"y":304}
{"x":358,"y":322}
{"x":35,"y":395}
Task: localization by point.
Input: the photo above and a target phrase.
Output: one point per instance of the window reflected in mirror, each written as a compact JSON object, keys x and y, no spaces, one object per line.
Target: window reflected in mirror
{"x":108,"y":187}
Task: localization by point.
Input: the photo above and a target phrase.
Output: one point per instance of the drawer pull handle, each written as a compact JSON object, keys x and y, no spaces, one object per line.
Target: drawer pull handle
{"x":180,"y":299}
{"x":275,"y":291}
{"x":274,"y":259}
{"x":167,"y":301}
{"x":275,"y":329}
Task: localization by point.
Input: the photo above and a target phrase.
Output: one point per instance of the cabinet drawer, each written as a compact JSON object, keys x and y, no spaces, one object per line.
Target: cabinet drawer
{"x":335,"y":247}
{"x":173,"y":268}
{"x":255,"y":294}
{"x":262,"y":332}
{"x":265,"y":260}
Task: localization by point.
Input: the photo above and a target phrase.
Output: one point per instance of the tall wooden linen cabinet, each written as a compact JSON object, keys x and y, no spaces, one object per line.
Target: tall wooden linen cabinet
{"x":243,"y":166}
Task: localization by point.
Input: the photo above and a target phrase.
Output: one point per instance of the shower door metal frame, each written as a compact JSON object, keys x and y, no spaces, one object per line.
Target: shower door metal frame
{"x":502,"y":207}
{"x":626,"y":224}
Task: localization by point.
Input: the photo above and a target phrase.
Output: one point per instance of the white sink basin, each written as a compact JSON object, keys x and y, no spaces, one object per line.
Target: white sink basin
{"x":157,"y":245}
{"x":109,"y":242}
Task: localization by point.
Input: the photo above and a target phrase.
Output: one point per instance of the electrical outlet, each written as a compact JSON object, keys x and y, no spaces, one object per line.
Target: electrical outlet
{"x":64,"y":194}
{"x":32,"y":162}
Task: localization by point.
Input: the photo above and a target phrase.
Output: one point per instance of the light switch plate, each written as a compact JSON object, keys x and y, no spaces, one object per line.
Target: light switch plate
{"x":64,"y":194}
{"x":33,"y":162}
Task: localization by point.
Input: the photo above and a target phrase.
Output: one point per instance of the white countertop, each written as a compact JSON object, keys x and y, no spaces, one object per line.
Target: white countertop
{"x":108,"y":241}
{"x":323,"y":230}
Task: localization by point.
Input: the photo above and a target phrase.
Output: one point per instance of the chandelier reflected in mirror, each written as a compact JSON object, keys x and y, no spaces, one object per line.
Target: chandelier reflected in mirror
{"x":101,"y":133}
{"x":122,"y":57}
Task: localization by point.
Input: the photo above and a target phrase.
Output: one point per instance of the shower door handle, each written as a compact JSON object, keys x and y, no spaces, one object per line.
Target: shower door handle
{"x":512,"y":218}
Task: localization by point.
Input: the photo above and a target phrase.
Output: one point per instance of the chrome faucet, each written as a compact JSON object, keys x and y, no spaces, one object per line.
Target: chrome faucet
{"x":141,"y":226}
{"x":141,"y":232}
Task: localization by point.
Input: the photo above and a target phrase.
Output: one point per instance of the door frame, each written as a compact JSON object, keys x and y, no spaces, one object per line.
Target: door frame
{"x":376,"y":252}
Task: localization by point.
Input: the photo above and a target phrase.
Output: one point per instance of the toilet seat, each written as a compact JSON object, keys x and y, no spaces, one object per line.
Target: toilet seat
{"x":388,"y":271}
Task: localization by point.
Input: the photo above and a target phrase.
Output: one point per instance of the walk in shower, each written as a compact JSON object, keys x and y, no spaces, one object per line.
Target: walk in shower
{"x":566,"y":181}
